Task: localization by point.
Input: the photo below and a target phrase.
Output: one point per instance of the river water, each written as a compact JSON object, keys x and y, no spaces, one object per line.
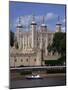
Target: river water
{"x":45,"y":82}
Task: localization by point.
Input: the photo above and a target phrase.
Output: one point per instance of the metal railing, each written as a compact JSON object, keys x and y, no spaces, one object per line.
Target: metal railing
{"x":38,"y":67}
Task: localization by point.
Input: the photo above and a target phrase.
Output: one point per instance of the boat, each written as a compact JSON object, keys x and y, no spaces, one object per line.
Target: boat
{"x":34,"y":77}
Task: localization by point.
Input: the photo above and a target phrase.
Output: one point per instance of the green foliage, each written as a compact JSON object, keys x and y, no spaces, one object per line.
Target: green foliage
{"x":26,"y":72}
{"x":51,"y":62}
{"x":51,"y":71}
{"x":59,"y":43}
{"x":60,"y":61}
{"x":49,"y":48}
{"x":11,"y":38}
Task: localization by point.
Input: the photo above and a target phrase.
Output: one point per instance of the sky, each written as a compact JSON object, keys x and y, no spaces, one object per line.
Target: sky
{"x":25,"y":10}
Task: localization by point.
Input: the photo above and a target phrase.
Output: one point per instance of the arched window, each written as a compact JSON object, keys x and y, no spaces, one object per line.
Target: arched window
{"x":35,"y":60}
{"x":53,"y":53}
{"x":15,"y":60}
{"x":21,"y":60}
{"x":27,"y":59}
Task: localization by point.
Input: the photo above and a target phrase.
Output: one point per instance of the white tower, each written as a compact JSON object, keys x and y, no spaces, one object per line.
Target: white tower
{"x":44,"y":42}
{"x":58,"y":26}
{"x":19,"y":28}
{"x":33,"y":32}
{"x":43,"y":26}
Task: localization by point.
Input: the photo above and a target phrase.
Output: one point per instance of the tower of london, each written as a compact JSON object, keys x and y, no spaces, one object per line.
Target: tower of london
{"x":32,"y":45}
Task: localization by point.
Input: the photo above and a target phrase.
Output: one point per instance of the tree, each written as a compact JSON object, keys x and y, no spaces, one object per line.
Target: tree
{"x":59,"y":43}
{"x":49,"y":48}
{"x":11,"y":38}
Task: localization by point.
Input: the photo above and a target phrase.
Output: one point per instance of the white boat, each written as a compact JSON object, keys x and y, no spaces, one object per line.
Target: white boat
{"x":34,"y":77}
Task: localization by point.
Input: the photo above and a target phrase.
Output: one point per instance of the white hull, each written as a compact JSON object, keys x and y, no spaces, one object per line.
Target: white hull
{"x":34,"y":77}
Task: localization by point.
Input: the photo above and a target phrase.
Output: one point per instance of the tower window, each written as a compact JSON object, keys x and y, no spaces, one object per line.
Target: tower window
{"x":27,"y":59}
{"x":15,"y":60}
{"x":53,"y":53}
{"x":21,"y":60}
{"x":35,"y":60}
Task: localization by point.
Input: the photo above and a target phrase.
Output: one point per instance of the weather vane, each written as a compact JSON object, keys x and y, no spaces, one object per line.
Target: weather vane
{"x":33,"y":17}
{"x":19,"y":20}
{"x":58,"y":19}
{"x":43,"y":19}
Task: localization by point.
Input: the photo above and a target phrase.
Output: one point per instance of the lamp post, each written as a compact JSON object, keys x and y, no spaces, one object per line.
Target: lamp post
{"x":14,"y":61}
{"x":41,"y":57}
{"x":29,"y":60}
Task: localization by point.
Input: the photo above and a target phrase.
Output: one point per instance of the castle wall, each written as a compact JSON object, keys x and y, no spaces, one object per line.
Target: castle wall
{"x":25,"y":59}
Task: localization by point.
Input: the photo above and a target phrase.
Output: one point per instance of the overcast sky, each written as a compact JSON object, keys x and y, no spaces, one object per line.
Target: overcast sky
{"x":25,"y":11}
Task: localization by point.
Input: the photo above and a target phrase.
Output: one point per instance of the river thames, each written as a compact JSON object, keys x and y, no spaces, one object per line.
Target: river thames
{"x":50,"y":80}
